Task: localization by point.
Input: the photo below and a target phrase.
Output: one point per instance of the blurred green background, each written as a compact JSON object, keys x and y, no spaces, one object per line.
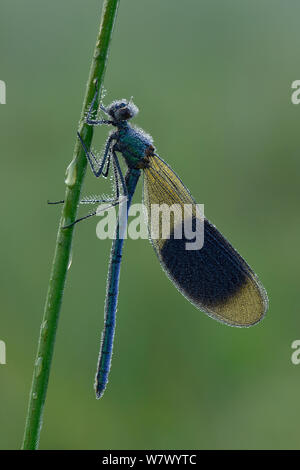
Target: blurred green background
{"x":213,"y":80}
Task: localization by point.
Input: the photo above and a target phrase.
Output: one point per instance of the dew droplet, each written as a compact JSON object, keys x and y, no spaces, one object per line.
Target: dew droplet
{"x":71,"y":174}
{"x":70,"y":260}
{"x":38,"y":366}
{"x":44,"y":329}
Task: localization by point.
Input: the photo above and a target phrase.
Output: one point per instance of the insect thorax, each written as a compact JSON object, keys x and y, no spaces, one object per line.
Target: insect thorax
{"x":134,"y":144}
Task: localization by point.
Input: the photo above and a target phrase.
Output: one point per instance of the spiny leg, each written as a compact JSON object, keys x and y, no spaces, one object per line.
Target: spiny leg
{"x":117,"y":164}
{"x":86,"y":200}
{"x":118,"y":175}
{"x":95,"y":122}
{"x":94,"y":200}
{"x":117,"y":189}
{"x":90,"y":156}
{"x":56,"y":202}
{"x":113,"y":202}
{"x":104,"y":173}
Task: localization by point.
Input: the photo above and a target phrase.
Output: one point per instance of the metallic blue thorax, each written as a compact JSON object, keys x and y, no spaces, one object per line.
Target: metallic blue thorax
{"x":133,"y":143}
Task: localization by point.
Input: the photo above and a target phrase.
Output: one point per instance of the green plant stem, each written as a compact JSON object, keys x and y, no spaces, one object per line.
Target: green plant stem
{"x":74,"y":180}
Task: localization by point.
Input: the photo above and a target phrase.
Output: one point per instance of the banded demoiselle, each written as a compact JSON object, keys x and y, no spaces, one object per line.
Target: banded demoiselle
{"x":215,"y":278}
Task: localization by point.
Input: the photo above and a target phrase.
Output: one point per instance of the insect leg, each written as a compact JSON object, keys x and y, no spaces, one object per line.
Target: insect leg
{"x":92,"y":122}
{"x":55,"y":202}
{"x":89,"y":120}
{"x":111,"y":204}
{"x":117,"y":164}
{"x":104,"y":173}
{"x":91,"y":157}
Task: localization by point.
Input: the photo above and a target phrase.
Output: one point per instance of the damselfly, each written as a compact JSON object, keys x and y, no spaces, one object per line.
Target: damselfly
{"x":214,"y":278}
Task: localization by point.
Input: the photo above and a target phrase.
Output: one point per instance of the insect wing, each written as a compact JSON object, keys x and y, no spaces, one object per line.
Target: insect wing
{"x":213,"y":277}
